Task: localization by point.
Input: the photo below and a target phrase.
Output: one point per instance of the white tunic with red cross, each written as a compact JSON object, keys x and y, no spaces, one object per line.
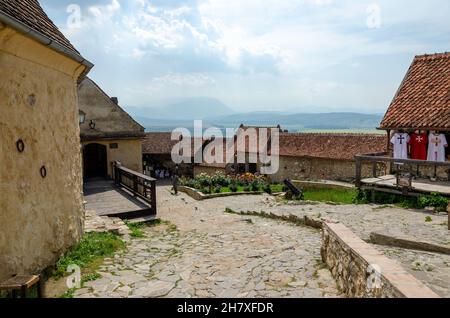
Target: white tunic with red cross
{"x":436,"y":147}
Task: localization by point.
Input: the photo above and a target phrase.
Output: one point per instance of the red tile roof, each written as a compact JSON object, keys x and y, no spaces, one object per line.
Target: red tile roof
{"x":423,"y":100}
{"x":330,"y":146}
{"x":161,"y":143}
{"x":31,"y":14}
{"x":244,"y":143}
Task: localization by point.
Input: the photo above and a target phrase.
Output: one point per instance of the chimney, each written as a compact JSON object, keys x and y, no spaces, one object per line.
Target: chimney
{"x":115,"y":100}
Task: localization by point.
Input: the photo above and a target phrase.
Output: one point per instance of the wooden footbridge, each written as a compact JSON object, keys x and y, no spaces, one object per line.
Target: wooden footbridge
{"x":131,"y":195}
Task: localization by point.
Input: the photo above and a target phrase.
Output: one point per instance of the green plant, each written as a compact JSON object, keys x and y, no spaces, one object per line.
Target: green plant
{"x":206,"y":190}
{"x":136,"y":229}
{"x":92,"y":248}
{"x":218,"y":189}
{"x":233,"y":187}
{"x":268,"y":189}
{"x":255,"y":186}
{"x":434,"y":200}
{"x":428,"y":219}
{"x":247,"y":189}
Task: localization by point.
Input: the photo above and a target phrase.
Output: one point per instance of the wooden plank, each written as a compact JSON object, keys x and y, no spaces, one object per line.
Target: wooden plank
{"x":419,"y":185}
{"x":18,"y":282}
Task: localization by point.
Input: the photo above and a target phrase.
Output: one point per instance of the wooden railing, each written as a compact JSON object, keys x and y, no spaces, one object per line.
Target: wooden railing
{"x":384,"y":157}
{"x":140,"y":185}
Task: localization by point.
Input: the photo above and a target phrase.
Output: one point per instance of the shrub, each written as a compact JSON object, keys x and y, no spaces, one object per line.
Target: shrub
{"x":433,"y":200}
{"x":255,"y":186}
{"x":204,"y":180}
{"x":233,"y":187}
{"x":247,"y":189}
{"x":218,"y":189}
{"x":268,"y":189}
{"x":206,"y":190}
{"x":219,"y":179}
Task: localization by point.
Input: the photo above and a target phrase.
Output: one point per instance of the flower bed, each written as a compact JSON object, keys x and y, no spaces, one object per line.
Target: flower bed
{"x":221,"y":184}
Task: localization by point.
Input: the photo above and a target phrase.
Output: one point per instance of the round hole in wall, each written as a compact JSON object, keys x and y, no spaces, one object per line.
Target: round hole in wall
{"x":31,"y":100}
{"x":43,"y":172}
{"x":20,"y":145}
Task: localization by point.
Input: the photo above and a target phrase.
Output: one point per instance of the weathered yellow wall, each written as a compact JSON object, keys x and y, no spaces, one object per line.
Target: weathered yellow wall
{"x":39,"y":218}
{"x":129,"y":153}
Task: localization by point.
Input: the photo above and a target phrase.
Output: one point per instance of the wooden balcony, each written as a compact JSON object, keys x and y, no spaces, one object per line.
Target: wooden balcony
{"x":405,"y":176}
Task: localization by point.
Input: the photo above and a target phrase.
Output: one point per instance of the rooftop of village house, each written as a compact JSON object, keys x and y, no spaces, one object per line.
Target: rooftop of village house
{"x":161,"y":143}
{"x":341,"y":146}
{"x":423,"y":99}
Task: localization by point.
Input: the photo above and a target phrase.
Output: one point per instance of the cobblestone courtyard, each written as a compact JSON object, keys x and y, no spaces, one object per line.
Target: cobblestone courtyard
{"x":201,"y":251}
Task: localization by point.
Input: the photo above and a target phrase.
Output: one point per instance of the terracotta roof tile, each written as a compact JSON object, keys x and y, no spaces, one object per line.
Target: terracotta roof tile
{"x":423,"y":99}
{"x":244,"y":143}
{"x":161,"y":143}
{"x":330,"y":146}
{"x":31,"y":14}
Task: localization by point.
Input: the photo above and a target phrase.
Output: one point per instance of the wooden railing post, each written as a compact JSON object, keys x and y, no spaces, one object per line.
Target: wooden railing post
{"x":374,"y":169}
{"x":153,"y":198}
{"x":358,"y":167}
{"x":135,"y":185}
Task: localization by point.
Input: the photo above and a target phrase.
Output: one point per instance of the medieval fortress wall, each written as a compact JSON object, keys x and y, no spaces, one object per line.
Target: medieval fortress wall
{"x":41,"y":179}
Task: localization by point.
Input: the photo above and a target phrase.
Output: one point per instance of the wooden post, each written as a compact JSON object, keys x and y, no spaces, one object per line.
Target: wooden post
{"x":358,"y":172}
{"x":388,"y":145}
{"x":374,"y":169}
{"x":135,"y":185}
{"x":153,"y":193}
{"x":448,"y":221}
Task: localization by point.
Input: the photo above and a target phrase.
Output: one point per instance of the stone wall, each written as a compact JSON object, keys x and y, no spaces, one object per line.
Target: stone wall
{"x":40,"y":218}
{"x":209,"y":170}
{"x":301,"y":168}
{"x":361,"y":271}
{"x":128,"y":152}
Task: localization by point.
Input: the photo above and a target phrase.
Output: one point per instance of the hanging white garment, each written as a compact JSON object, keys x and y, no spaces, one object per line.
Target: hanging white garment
{"x":400,"y":142}
{"x":436,"y":147}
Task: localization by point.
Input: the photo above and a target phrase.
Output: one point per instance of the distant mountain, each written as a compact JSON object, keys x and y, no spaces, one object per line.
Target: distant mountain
{"x":297,"y":122}
{"x":184,"y":109}
{"x":291,"y":122}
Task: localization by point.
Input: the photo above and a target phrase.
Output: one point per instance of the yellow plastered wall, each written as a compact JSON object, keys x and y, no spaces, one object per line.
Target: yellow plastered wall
{"x":128,"y":153}
{"x":40,"y":218}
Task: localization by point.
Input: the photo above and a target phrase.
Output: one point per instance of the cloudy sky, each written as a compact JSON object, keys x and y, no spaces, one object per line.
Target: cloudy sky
{"x":294,"y":55}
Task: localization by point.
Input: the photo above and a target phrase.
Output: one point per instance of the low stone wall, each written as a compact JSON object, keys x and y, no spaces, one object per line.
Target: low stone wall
{"x":361,"y":271}
{"x":197,"y":195}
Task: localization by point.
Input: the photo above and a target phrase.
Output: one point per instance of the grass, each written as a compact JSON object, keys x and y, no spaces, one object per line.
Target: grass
{"x":89,"y":253}
{"x":342,"y":196}
{"x":136,"y":229}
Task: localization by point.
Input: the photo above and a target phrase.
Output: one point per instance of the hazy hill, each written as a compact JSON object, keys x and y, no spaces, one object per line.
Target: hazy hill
{"x":183,"y":109}
{"x":292,"y":122}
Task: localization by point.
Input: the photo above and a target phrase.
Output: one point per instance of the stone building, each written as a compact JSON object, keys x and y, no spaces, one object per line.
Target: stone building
{"x":41,"y":202}
{"x":248,"y":148}
{"x":108,"y":133}
{"x":222,"y":166}
{"x":325,"y":156}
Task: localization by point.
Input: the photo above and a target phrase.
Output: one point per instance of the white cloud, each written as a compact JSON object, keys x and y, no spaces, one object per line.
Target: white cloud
{"x":171,"y":80}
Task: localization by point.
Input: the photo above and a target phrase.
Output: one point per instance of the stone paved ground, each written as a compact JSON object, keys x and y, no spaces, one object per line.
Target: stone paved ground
{"x":204,"y":252}
{"x":431,"y":268}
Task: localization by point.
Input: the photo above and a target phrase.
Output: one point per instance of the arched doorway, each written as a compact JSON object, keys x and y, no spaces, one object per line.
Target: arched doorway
{"x":95,"y":161}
